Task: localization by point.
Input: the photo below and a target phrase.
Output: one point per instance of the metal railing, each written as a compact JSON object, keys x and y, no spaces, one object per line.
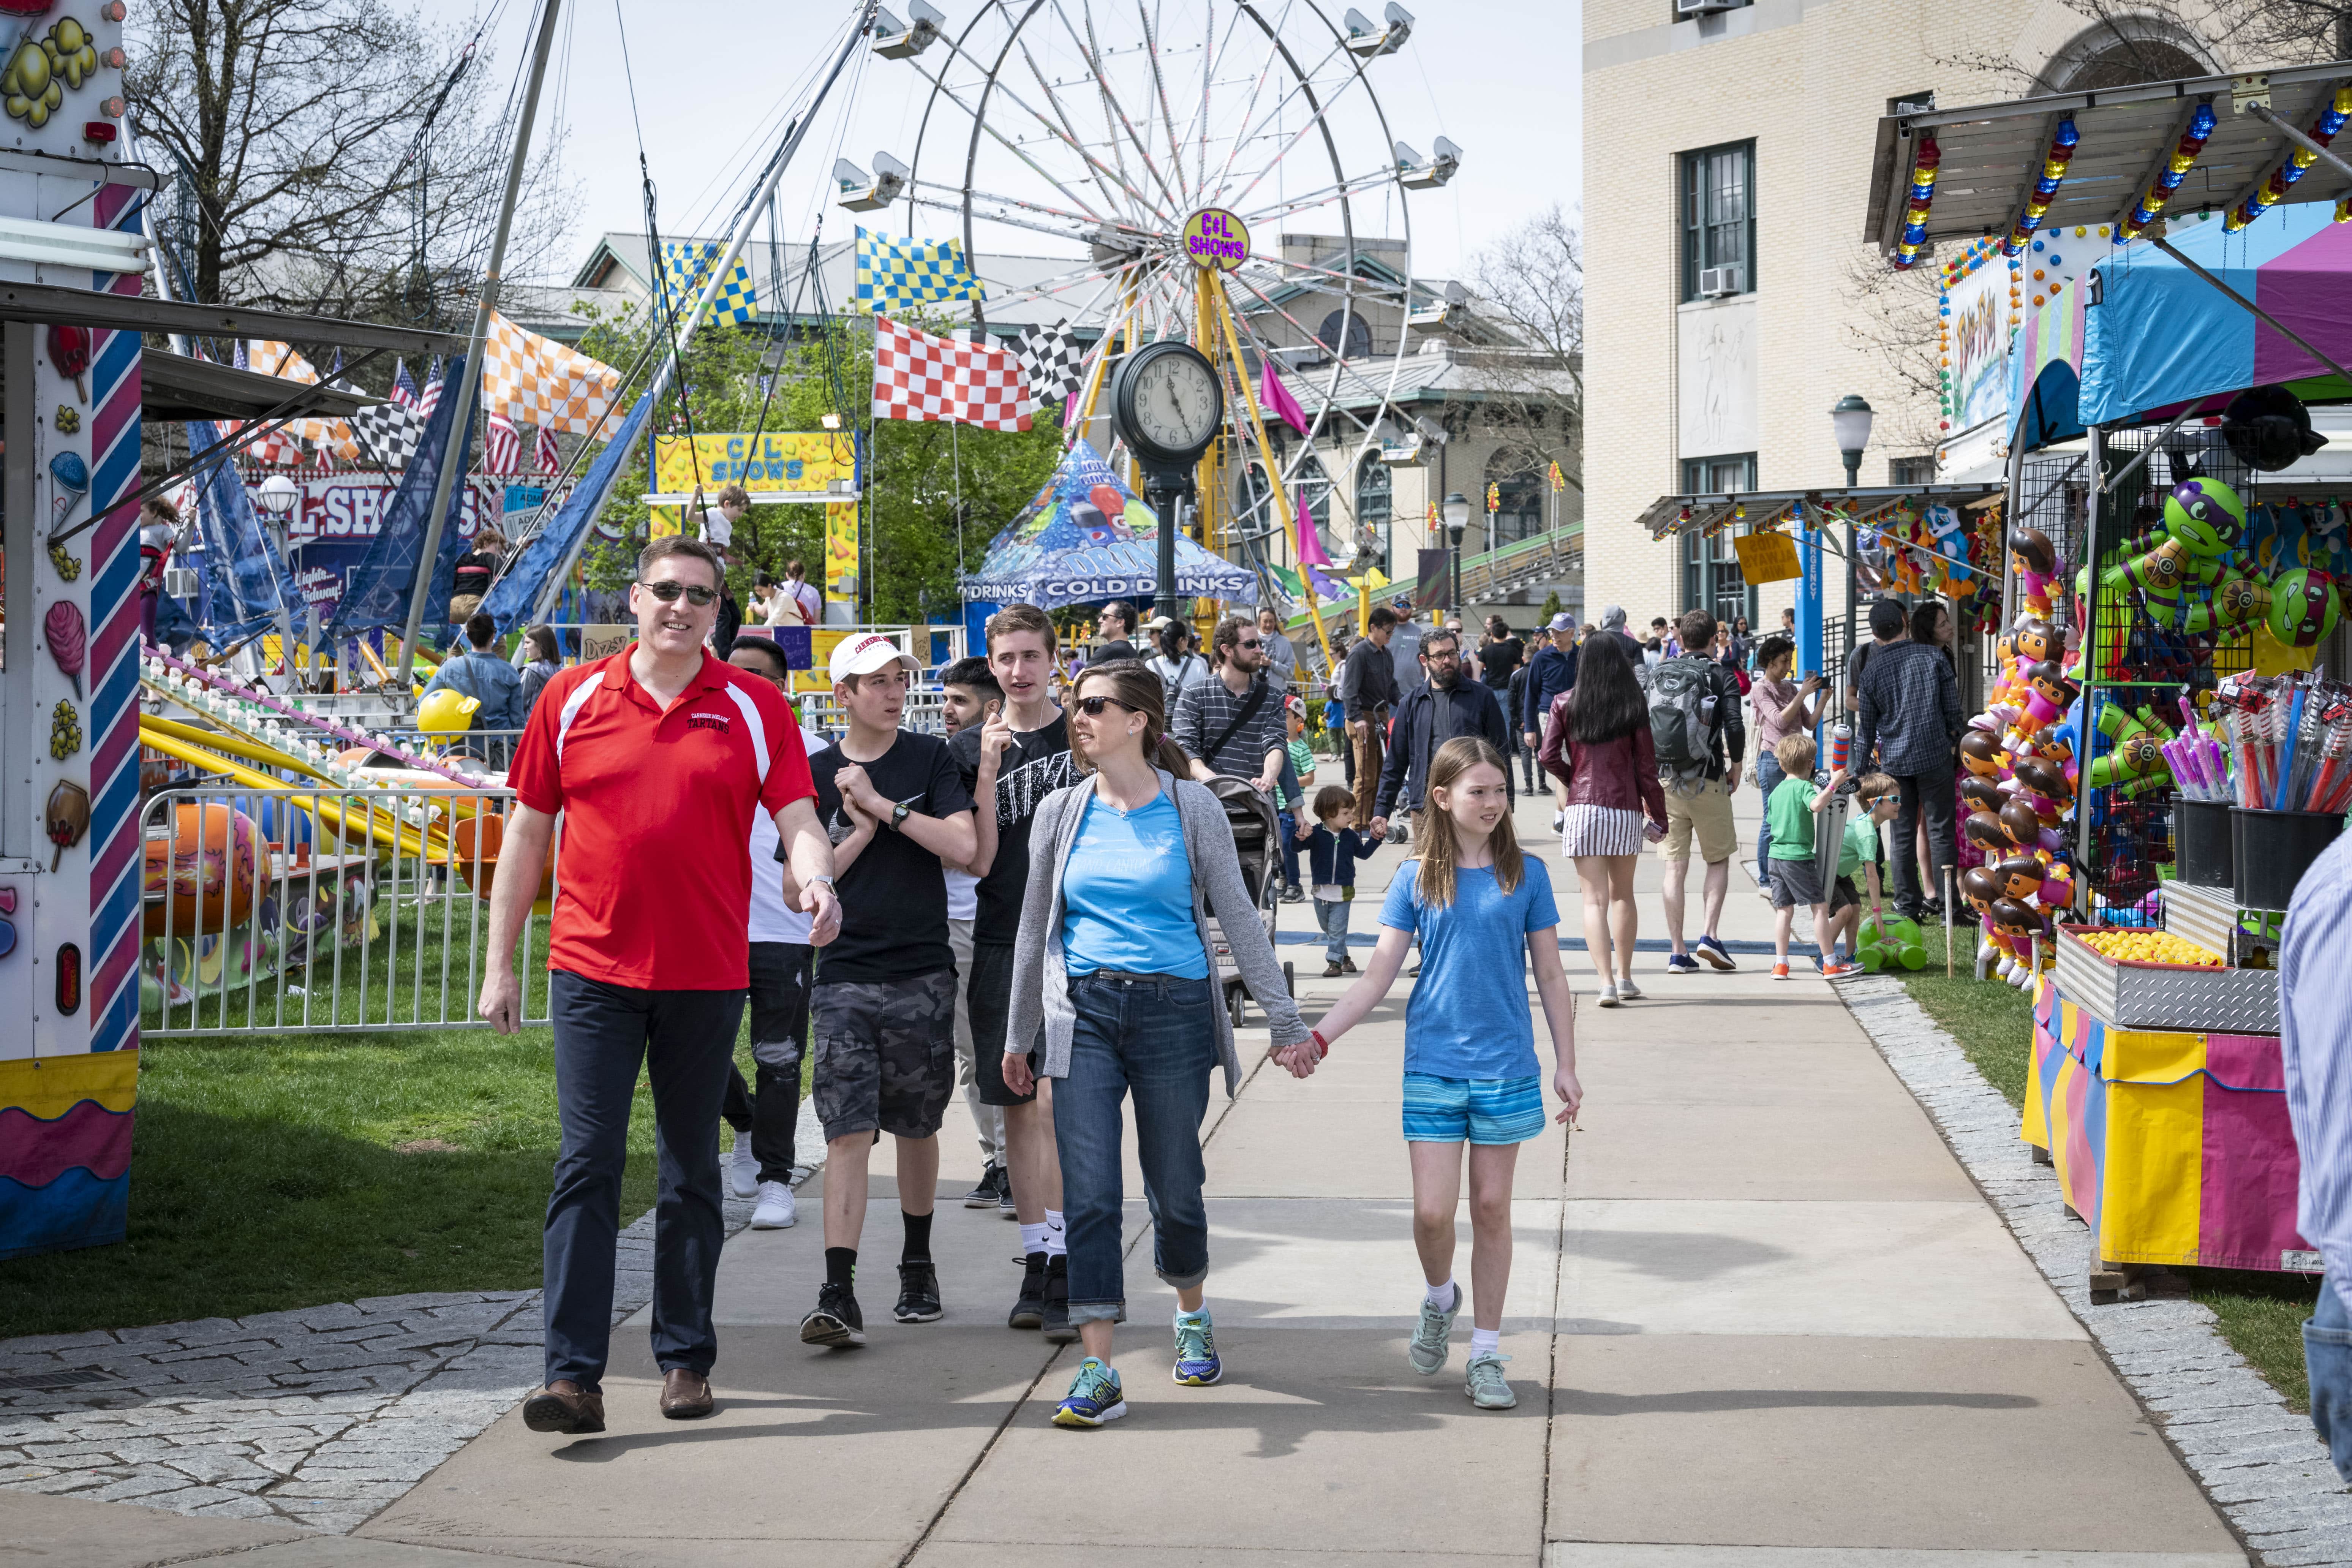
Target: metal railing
{"x":493,"y":749}
{"x":311,"y":909}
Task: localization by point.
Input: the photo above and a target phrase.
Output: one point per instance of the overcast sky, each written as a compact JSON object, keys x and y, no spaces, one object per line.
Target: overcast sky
{"x":1500,"y":77}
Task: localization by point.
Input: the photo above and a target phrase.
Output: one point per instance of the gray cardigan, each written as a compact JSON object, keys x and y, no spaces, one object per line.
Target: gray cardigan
{"x":1040,"y":984}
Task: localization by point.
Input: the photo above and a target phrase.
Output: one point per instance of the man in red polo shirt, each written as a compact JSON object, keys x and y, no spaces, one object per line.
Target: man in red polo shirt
{"x":656,"y":757}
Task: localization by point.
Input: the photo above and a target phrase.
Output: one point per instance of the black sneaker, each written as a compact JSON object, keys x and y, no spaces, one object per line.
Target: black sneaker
{"x":1029,"y":1312}
{"x":836,"y":1321}
{"x":1932,"y":912}
{"x":1056,"y":1321}
{"x":984,"y":1196}
{"x":1004,"y":1194}
{"x":918,"y":1292}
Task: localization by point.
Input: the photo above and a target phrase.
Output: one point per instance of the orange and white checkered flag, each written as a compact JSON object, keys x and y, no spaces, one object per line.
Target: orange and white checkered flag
{"x":332,"y":437}
{"x":537,"y":381}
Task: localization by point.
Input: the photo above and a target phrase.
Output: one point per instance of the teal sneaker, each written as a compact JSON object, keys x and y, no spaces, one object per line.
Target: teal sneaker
{"x":1433,"y":1340}
{"x":1094,"y":1397}
{"x":1484,"y":1381}
{"x":1197,"y":1366}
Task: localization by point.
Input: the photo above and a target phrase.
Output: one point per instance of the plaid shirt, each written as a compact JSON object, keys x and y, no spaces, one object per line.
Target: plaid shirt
{"x":1206,"y":707}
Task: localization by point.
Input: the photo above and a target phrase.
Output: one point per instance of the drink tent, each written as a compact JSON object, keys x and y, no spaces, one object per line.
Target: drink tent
{"x":1084,"y":538}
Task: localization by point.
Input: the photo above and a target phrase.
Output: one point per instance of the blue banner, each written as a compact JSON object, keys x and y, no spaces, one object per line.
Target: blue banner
{"x":513,"y":597}
{"x":377,"y":591}
{"x":242,"y":567}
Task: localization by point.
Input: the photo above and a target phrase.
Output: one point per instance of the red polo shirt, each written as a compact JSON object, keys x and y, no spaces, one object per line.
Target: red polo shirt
{"x":653,"y":885}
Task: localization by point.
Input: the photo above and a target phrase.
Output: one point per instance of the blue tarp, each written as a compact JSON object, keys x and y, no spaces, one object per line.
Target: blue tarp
{"x":512,"y":598}
{"x":377,"y":591}
{"x":242,"y":567}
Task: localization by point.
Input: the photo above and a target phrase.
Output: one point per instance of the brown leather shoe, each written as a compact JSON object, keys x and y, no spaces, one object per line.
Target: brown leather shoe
{"x":561,"y":1407}
{"x":686,"y":1395}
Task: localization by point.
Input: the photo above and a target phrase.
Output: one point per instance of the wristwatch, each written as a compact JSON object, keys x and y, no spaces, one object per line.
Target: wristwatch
{"x":899,"y":815}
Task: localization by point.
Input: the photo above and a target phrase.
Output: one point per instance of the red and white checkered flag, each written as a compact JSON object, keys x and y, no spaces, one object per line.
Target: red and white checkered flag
{"x":502,"y":447}
{"x":550,"y":460}
{"x":918,"y":377}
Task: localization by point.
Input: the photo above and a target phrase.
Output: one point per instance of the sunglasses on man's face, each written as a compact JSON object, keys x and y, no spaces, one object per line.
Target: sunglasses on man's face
{"x":667,"y":593}
{"x":1092,"y":707}
{"x":1252,"y":642}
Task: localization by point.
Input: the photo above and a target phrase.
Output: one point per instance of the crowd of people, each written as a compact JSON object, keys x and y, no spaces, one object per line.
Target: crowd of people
{"x":1021,"y":910}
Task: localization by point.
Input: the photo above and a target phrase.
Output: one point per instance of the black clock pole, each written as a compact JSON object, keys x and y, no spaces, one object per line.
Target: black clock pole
{"x":1166,"y":490}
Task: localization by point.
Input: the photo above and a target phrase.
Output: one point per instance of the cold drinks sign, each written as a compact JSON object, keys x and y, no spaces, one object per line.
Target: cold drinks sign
{"x":1215,"y":237}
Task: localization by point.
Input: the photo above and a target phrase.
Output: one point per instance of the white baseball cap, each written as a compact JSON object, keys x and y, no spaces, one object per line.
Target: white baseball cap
{"x":867,"y":652}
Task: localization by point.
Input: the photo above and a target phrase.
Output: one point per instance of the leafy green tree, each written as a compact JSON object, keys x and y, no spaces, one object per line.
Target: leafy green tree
{"x":936,"y":494}
{"x":1551,"y":607}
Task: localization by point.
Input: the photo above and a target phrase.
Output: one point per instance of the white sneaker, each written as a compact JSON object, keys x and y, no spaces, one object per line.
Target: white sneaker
{"x":775,"y":1209}
{"x":1609,"y":995}
{"x":1629,"y":991}
{"x":743,"y":1169}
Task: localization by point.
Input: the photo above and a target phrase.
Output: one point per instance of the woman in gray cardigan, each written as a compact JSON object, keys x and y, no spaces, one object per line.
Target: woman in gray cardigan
{"x":1114,"y":953}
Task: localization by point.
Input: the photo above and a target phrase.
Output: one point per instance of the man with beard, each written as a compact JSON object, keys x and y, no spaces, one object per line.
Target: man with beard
{"x":1443,"y":706}
{"x":1232,"y":724}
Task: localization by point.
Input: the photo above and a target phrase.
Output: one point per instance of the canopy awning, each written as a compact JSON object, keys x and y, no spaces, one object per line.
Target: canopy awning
{"x":175,"y":386}
{"x":1084,"y":537}
{"x":1991,"y":156}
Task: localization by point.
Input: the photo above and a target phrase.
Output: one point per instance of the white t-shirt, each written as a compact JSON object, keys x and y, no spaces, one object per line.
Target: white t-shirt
{"x":718,"y":531}
{"x":772,"y":920}
{"x":802,"y":605}
{"x":963,"y":894}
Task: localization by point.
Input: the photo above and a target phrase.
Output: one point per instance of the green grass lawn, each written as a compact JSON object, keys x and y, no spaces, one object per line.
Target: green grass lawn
{"x":277,"y":1171}
{"x":2259,"y":1314}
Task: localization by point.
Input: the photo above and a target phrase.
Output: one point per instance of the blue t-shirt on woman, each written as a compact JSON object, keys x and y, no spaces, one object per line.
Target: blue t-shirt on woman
{"x":1469,"y":1015}
{"x":1127,"y":894}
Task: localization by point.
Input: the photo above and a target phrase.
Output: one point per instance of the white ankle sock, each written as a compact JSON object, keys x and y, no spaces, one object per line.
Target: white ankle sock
{"x":1441,"y":1296}
{"x":1485,"y":1341}
{"x":1033,"y":1236}
{"x":1057,"y":1241}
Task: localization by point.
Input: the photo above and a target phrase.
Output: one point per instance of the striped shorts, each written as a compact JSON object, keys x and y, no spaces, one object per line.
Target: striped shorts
{"x":1478,"y":1109}
{"x":1599,"y":830}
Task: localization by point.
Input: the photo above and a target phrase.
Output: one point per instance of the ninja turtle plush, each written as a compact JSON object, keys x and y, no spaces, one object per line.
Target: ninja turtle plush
{"x":2303,"y":608}
{"x":2205,"y":515}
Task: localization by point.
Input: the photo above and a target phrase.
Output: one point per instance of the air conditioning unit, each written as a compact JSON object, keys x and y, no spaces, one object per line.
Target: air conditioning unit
{"x":1686,"y":9}
{"x":180,"y":582}
{"x":1714,"y":282}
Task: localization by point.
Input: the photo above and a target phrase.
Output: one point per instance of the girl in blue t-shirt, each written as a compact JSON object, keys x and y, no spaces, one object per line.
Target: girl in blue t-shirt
{"x":1471,"y":1074}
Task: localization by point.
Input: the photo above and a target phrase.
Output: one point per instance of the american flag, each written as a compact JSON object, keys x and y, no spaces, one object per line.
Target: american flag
{"x":403,"y":391}
{"x":550,"y":461}
{"x":430,"y":398}
{"x":502,"y":447}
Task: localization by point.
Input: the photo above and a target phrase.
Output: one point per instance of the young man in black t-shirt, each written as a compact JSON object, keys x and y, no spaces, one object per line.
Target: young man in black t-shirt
{"x":1010,"y":764}
{"x":884,"y":1001}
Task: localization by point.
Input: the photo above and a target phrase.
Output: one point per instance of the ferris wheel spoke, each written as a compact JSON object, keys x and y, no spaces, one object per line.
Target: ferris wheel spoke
{"x":1072,"y":223}
{"x":979,"y":121}
{"x":1249,"y":108}
{"x":1344,"y":369}
{"x":1167,"y":115}
{"x":1283,"y":272}
{"x":1314,"y":122}
{"x":1068,"y":133}
{"x":1115,"y":115}
{"x":1321,"y":198}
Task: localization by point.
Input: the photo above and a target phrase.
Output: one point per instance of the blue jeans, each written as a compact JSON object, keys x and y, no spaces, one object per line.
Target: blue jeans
{"x":684,"y":1041}
{"x":1289,"y":826}
{"x":1153,"y":1036}
{"x":2327,"y":1360}
{"x":1333,"y":919}
{"x":1768,"y":779}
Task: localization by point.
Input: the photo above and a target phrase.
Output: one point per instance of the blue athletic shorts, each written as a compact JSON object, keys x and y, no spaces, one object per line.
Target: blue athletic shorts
{"x":1480,"y":1109}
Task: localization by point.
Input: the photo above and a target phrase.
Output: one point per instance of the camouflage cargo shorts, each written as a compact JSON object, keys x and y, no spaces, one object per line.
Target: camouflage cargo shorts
{"x":884,"y":1055}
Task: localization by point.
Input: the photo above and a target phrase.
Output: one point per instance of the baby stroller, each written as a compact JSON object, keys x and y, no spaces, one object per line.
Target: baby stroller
{"x":1250,"y":813}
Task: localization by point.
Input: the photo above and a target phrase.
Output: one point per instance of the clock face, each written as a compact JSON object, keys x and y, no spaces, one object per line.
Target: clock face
{"x":1175,"y":402}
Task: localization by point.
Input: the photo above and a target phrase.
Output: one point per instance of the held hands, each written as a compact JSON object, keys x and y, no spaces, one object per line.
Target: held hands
{"x":1298,"y":1058}
{"x":1379,"y":828}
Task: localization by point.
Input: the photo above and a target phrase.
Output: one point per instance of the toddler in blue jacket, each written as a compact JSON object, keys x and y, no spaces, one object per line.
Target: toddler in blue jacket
{"x":1332,"y":852}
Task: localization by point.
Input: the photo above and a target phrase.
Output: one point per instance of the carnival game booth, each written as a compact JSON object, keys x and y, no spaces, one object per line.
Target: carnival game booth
{"x":2155,"y":763}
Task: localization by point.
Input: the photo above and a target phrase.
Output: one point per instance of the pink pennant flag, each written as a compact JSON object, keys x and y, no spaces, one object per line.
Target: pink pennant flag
{"x":1310,"y":539}
{"x":1277,"y":400}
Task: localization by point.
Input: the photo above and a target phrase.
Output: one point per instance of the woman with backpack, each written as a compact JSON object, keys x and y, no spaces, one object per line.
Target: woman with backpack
{"x":1177,"y":666}
{"x":1597,"y":744}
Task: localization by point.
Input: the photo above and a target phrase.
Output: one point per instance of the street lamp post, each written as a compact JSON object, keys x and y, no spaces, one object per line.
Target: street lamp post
{"x":276,"y":496}
{"x":1849,"y":422}
{"x":1455,"y":510}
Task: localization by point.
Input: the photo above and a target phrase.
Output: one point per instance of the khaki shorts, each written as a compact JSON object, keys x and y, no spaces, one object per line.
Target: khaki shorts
{"x":1705,"y":809}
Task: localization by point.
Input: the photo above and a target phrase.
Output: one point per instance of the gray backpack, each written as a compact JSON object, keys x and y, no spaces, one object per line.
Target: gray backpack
{"x":1683,"y":721}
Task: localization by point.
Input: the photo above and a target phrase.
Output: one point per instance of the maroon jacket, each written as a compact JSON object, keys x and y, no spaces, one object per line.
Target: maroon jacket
{"x":1621,"y":773}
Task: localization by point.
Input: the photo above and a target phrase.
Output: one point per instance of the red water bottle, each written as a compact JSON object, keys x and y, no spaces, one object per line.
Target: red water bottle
{"x":1841,"y":745}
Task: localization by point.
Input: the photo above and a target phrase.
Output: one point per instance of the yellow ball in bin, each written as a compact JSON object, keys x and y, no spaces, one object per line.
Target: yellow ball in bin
{"x":447,"y":712}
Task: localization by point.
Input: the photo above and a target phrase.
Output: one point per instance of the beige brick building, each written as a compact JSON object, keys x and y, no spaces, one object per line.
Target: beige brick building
{"x":1727,"y":170}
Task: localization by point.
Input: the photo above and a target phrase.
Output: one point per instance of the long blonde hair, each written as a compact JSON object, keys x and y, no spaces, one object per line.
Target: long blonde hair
{"x":1441,"y":851}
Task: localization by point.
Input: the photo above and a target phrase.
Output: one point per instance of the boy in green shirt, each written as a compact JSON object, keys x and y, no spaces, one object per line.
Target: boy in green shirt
{"x":1292,"y":795}
{"x":1874,"y":801}
{"x":1796,"y":880}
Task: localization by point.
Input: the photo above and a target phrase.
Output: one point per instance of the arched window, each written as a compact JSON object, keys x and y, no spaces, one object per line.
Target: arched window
{"x":2123,"y":49}
{"x":1518,"y":482}
{"x":1359,"y":334}
{"x":1375,"y":497}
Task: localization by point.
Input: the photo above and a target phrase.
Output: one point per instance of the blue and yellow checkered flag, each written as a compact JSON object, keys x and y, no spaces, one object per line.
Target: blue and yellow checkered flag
{"x":686,"y":267}
{"x":894,"y":273}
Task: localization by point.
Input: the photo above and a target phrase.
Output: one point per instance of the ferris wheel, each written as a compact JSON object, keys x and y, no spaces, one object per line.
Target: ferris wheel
{"x":1222,"y":172}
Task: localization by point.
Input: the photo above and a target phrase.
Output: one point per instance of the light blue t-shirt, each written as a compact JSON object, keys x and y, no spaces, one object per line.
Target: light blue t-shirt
{"x":1127,"y":894}
{"x":1470,"y":1016}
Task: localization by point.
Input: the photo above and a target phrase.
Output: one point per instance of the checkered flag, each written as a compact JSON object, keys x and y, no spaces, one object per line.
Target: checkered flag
{"x":919,"y":377}
{"x":388,"y":434}
{"x":1051,"y":356}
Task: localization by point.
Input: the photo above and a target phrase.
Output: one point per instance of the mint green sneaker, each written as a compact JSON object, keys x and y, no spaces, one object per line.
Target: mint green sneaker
{"x":1433,"y":1340}
{"x":1484,"y":1381}
{"x":1095,"y":1396}
{"x":1197,"y":1366}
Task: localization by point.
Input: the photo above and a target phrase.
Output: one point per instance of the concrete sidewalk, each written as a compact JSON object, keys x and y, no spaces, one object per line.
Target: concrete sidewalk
{"x":1759,"y":1316}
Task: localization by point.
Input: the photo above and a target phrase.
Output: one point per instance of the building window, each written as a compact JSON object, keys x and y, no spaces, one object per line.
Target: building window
{"x":1518,"y":484}
{"x":1685,"y":12}
{"x":1911,"y":470}
{"x":1719,"y":221}
{"x":1359,"y":334}
{"x":1711,"y":576}
{"x":1374,"y":499}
